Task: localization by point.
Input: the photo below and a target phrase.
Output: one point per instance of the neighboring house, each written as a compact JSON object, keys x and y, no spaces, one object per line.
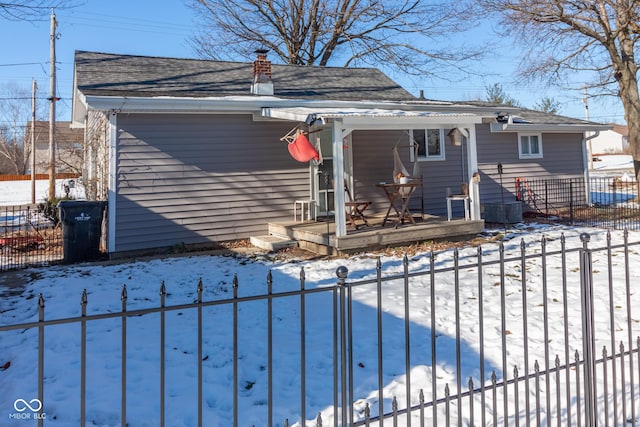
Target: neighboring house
{"x":190,"y":151}
{"x":613,"y":141}
{"x":69,"y":151}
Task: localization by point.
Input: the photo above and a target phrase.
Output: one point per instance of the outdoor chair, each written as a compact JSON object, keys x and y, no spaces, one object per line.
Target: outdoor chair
{"x":355,"y":209}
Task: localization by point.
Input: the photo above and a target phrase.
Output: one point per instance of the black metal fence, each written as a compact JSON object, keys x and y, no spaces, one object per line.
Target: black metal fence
{"x":597,"y":202}
{"x":403,"y":316}
{"x":27,"y":238}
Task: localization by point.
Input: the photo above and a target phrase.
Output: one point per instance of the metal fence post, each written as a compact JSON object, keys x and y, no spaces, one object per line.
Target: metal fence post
{"x":123,"y":375}
{"x":235,"y":350}
{"x":163,"y":298}
{"x":83,"y":358}
{"x":303,"y":350}
{"x":614,"y":207}
{"x":270,"y":348}
{"x":629,"y":327}
{"x":380,"y":348}
{"x":40,"y":359}
{"x":200,"y":290}
{"x":342,"y":272}
{"x":546,"y":197}
{"x":571,"y":204}
{"x":588,"y":342}
{"x":407,"y":337}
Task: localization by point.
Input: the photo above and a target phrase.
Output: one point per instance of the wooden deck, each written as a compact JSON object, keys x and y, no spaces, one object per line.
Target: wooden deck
{"x":319,"y":236}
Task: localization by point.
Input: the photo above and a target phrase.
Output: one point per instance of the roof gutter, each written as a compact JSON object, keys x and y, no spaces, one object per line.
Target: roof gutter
{"x":255,"y":103}
{"x":554,"y":128}
{"x":368,"y":118}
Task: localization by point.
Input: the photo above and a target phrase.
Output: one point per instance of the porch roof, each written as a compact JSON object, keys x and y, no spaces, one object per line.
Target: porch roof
{"x":372,"y":117}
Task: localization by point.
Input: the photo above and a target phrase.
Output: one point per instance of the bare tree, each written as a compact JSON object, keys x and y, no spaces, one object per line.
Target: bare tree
{"x":562,"y":38}
{"x":30,"y":9}
{"x":11,"y":153}
{"x":401,"y":35}
{"x":15,"y":112}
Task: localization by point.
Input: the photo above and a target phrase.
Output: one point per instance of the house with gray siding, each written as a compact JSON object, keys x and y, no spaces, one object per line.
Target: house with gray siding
{"x":530,"y":145}
{"x":191,"y":152}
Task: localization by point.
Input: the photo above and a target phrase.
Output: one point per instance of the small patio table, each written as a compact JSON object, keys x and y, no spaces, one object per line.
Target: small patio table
{"x":398,"y":194}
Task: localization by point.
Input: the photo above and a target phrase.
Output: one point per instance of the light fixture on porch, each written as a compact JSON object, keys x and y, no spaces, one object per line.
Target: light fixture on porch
{"x":455,"y":136}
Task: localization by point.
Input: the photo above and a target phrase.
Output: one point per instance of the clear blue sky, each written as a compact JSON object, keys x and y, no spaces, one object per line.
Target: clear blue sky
{"x":162,"y":28}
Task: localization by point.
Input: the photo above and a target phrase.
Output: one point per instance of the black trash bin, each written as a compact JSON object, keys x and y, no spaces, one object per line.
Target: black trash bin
{"x":81,"y":229}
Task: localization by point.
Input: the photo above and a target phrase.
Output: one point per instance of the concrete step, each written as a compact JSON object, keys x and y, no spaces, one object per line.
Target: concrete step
{"x":272,"y":243}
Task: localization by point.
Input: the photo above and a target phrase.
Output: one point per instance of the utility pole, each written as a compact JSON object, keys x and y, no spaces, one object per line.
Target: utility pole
{"x":34,"y":88}
{"x":52,"y":108}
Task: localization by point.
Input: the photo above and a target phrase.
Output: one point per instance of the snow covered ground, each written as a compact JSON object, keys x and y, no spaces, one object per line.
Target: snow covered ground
{"x":19,"y":192}
{"x":613,"y":163}
{"x":62,"y":287}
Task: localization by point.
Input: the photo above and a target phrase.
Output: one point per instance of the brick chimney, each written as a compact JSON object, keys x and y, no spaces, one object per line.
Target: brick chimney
{"x":261,"y":83}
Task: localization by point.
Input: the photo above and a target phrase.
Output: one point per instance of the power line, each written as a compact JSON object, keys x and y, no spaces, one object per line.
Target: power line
{"x":21,"y":98}
{"x":115,"y":22}
{"x":100,"y":17}
{"x":20,"y":64}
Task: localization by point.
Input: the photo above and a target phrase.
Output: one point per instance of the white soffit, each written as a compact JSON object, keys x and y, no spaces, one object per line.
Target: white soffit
{"x":371,"y":117}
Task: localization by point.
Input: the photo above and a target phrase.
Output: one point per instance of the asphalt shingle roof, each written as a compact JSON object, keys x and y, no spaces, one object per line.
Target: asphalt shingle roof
{"x":104,"y":74}
{"x":531,"y":116}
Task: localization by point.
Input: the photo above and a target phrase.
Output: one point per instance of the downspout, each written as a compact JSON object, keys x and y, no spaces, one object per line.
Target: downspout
{"x":586,"y":161}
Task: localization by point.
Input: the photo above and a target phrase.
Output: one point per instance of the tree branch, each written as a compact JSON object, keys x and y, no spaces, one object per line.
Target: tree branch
{"x":397,"y":35}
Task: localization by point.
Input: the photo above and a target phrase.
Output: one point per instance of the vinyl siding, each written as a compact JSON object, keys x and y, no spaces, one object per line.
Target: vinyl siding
{"x":201,"y":178}
{"x":373,"y":162}
{"x":562,"y":158}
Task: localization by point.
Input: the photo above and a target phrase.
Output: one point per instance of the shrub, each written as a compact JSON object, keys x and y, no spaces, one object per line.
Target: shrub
{"x":49,"y":208}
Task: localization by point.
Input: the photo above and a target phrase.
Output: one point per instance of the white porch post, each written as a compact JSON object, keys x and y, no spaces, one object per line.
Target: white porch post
{"x":472,"y":164}
{"x":338,"y":179}
{"x":113,"y":182}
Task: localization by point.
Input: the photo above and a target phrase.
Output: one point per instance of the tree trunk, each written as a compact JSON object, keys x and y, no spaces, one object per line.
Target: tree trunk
{"x":626,"y":72}
{"x":633,"y":122}
{"x":631,"y":102}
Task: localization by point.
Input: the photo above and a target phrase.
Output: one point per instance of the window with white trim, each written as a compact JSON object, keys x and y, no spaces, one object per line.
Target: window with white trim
{"x":530,"y":145}
{"x":430,"y":143}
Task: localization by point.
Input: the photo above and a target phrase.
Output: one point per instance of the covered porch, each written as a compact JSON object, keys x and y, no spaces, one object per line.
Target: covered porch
{"x":358,"y":147}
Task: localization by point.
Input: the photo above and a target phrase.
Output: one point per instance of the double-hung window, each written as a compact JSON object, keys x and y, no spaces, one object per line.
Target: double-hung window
{"x":529,"y":145}
{"x":430,"y":143}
